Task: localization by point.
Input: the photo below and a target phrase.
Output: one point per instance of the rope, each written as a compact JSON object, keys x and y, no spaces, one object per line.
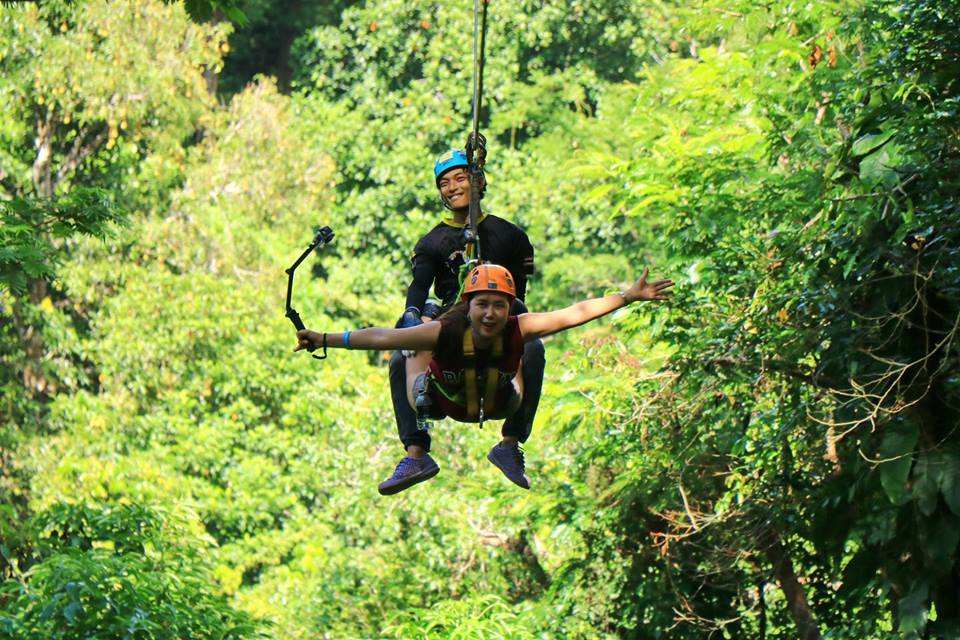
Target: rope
{"x":476,"y":142}
{"x":478,"y":59}
{"x":470,"y":260}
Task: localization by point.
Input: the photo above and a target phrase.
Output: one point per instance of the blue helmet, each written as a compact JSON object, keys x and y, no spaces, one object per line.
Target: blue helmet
{"x":450,"y":160}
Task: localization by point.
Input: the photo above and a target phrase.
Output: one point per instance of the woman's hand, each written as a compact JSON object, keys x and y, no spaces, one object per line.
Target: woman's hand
{"x":643,"y":290}
{"x":307,"y":339}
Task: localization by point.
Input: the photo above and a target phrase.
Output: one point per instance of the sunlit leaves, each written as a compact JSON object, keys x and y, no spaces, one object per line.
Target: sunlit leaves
{"x":105,"y":571}
{"x":84,"y":110}
{"x":30,"y":227}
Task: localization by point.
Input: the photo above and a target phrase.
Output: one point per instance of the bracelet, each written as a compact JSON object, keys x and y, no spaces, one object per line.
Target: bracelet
{"x":346,"y":340}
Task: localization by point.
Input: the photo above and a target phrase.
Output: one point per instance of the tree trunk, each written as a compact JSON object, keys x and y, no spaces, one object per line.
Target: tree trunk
{"x":40,"y":171}
{"x":792,"y":589}
{"x":534,"y":578}
{"x":31,"y":341}
{"x":210,"y":75}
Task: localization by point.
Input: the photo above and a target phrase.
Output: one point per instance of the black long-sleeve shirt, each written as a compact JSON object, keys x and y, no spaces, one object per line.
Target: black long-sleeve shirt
{"x":438,"y":256}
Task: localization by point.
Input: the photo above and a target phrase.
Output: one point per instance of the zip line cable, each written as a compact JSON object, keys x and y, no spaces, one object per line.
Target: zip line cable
{"x":476,"y":144}
{"x":476,"y":147}
{"x":478,"y":60}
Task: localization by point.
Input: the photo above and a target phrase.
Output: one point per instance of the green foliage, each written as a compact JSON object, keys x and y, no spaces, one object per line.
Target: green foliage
{"x":479,"y":617}
{"x":125,"y":571}
{"x":88,"y":123}
{"x":804,"y":364}
{"x":244,"y":206}
{"x":771,"y":456}
{"x":30,"y":229}
{"x":83,"y":145}
{"x":261,"y":45}
{"x":203,"y":10}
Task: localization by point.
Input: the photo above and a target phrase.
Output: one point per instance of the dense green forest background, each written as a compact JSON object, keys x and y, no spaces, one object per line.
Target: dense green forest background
{"x":774,"y":454}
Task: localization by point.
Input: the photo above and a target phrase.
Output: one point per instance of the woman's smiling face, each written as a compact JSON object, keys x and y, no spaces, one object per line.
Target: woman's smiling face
{"x":488,"y":313}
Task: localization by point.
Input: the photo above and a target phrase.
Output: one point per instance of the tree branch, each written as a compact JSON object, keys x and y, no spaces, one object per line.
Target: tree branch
{"x":798,"y":373}
{"x":41,"y":164}
{"x":792,"y":589}
{"x":80,"y":152}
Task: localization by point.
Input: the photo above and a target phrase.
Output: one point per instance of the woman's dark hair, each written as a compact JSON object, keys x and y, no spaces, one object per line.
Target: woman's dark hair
{"x":457,"y":317}
{"x":455,"y":311}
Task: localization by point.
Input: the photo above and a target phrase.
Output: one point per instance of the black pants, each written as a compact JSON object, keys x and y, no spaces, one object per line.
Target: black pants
{"x":518,"y":425}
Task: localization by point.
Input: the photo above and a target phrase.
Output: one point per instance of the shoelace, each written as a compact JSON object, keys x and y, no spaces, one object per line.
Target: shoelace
{"x":518,"y":457}
{"x":409,"y":465}
{"x":405,"y":464}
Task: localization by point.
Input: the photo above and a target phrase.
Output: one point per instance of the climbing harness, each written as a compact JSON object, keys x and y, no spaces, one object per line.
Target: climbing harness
{"x":476,"y":405}
{"x":323,"y":237}
{"x":473,"y":380}
{"x":483,"y":278}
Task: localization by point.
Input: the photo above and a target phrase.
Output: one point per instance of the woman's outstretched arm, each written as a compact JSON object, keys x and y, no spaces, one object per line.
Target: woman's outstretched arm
{"x":420,"y":338}
{"x":538,"y":325}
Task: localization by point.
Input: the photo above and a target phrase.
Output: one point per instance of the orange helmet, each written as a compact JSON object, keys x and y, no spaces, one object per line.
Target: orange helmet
{"x":489,"y":277}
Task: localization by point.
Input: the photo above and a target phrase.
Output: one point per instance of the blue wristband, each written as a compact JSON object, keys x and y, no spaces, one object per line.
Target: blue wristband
{"x":346,"y":340}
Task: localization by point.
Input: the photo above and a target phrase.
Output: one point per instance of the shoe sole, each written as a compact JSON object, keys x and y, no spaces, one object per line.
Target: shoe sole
{"x":493,"y":461}
{"x":408,"y":482}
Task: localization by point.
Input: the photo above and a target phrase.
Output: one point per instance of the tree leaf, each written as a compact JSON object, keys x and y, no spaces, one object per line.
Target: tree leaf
{"x":950,"y":483}
{"x":897,"y":447}
{"x":914,"y":610}
{"x":867,"y":143}
{"x":72,"y":610}
{"x":941,"y":542}
{"x":926,"y":481}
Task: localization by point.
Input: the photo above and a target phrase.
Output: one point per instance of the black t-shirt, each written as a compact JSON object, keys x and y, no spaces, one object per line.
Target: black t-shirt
{"x":439,"y":254}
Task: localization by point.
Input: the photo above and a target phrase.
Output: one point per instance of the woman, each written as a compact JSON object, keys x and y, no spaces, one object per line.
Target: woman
{"x":468,"y":363}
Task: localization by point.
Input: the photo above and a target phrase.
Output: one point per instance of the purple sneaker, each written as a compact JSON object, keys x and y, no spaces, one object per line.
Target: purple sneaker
{"x":409,"y":472}
{"x":509,"y":459}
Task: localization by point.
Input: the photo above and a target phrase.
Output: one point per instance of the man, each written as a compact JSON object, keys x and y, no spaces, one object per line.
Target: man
{"x":436,"y":260}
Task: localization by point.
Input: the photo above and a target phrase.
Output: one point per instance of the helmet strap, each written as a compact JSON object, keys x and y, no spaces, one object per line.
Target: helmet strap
{"x":446,"y":204}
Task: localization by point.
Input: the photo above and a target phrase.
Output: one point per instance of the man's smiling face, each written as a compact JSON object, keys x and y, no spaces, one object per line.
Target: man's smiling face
{"x":455,"y":188}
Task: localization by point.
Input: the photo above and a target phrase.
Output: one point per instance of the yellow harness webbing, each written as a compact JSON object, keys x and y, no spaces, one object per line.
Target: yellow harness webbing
{"x":475,"y":404}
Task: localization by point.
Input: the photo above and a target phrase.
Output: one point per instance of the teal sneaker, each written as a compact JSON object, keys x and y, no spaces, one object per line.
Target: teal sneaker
{"x":509,"y":459}
{"x":409,"y":472}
